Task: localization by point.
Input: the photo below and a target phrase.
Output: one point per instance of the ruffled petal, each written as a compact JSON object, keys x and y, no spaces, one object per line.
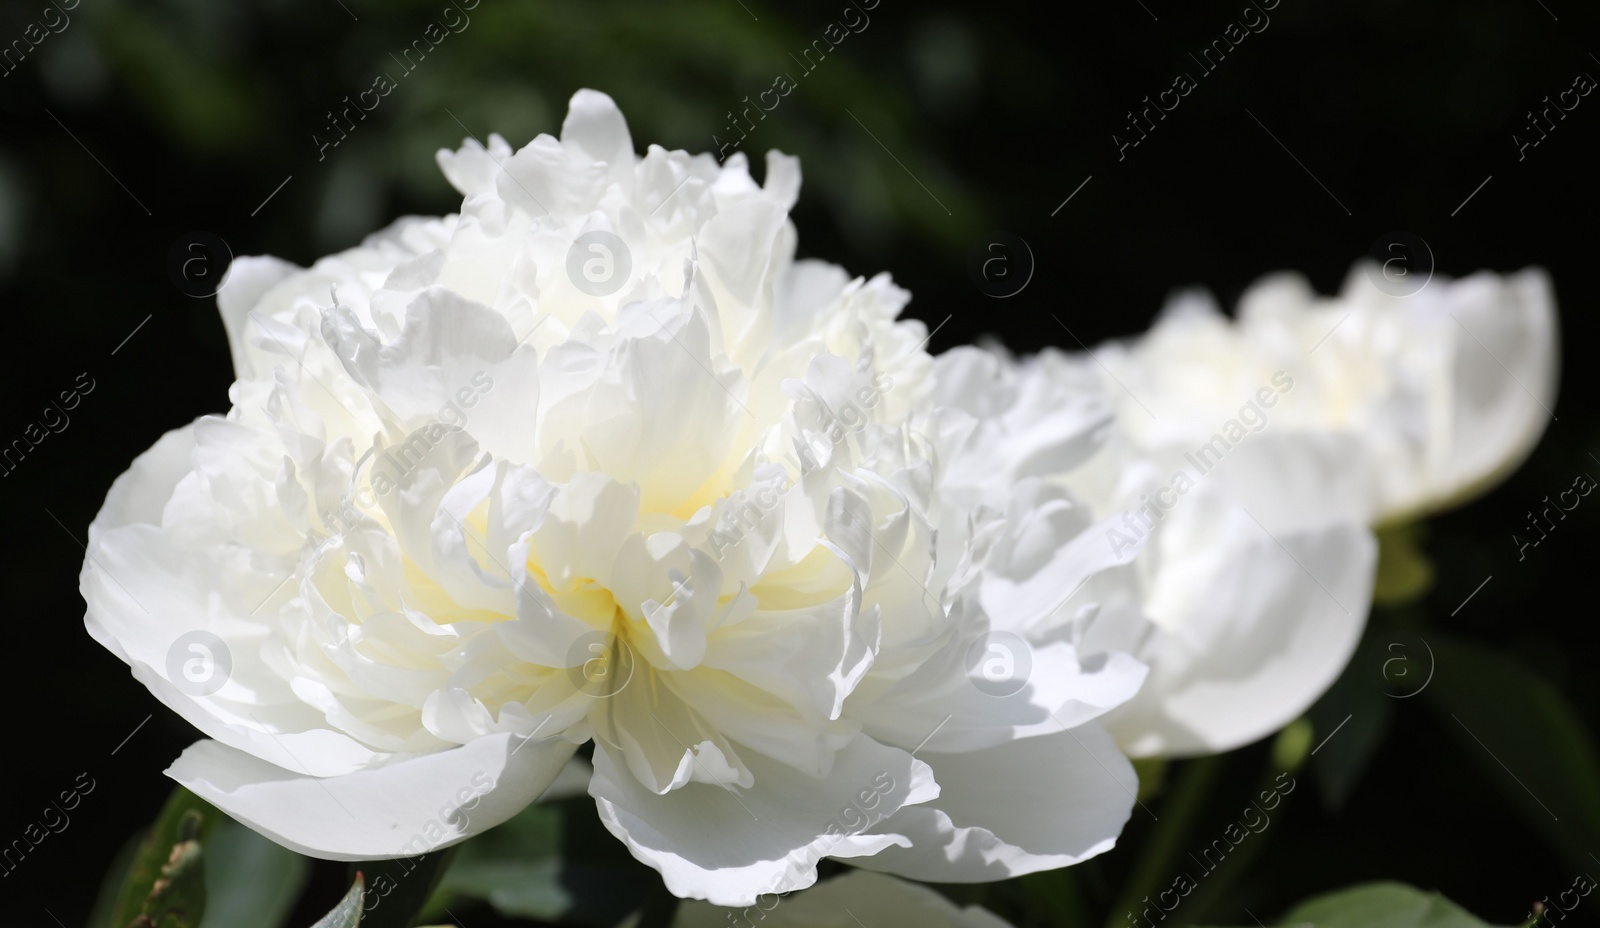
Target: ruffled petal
{"x":1029,"y":805}
{"x":730,"y":845}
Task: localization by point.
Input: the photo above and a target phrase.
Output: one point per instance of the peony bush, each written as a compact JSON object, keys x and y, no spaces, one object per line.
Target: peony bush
{"x":593,"y":486}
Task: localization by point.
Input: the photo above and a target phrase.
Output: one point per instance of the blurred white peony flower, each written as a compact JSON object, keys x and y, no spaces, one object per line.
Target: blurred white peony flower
{"x":597,"y":459}
{"x":853,"y":900}
{"x":1253,"y":582}
{"x":1444,"y":391}
{"x":1249,"y":459}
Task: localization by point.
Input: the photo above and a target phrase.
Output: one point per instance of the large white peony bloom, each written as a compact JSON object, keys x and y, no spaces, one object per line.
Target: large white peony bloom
{"x":1249,"y":459}
{"x":597,"y":459}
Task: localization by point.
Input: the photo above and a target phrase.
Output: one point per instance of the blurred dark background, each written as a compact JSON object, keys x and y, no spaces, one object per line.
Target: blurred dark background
{"x":933,"y":127}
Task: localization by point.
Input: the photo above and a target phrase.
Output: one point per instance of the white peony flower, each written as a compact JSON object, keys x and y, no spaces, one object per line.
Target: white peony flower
{"x":1248,"y":459}
{"x":597,"y":459}
{"x":853,"y":900}
{"x":1445,"y":391}
{"x":1252,"y":577}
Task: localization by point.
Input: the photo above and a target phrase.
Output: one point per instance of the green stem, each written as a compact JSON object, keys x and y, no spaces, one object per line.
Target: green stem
{"x":1288,"y":756}
{"x":1226,"y":874}
{"x":1178,"y":812}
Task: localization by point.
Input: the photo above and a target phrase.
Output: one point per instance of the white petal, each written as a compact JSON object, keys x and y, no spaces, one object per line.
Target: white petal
{"x":812,"y":658}
{"x":142,"y":491}
{"x":1030,"y":805}
{"x":1045,"y":553}
{"x":858,"y":899}
{"x":143,"y":594}
{"x":595,"y":125}
{"x":731,"y":845}
{"x":1504,"y":377}
{"x":407,"y":808}
{"x":446,"y":346}
{"x":782,"y":182}
{"x":1271,"y":623}
{"x":939,"y":707}
{"x":247,"y":281}
{"x":472,"y":169}
{"x":1004,"y":421}
{"x":543,"y":177}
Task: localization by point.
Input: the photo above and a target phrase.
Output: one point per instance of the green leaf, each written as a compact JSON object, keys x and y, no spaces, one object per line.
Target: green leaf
{"x":1380,"y":905}
{"x":549,"y":862}
{"x":1524,"y":733}
{"x":515,"y":867}
{"x":508,"y":864}
{"x":347,"y":914}
{"x":251,"y":881}
{"x":111,"y":886}
{"x":535,"y":832}
{"x":248,"y":880}
{"x":178,"y":896}
{"x":398,"y":889}
{"x":518,"y":888}
{"x":550,"y":889}
{"x":1356,"y":712}
{"x":155,"y":852}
